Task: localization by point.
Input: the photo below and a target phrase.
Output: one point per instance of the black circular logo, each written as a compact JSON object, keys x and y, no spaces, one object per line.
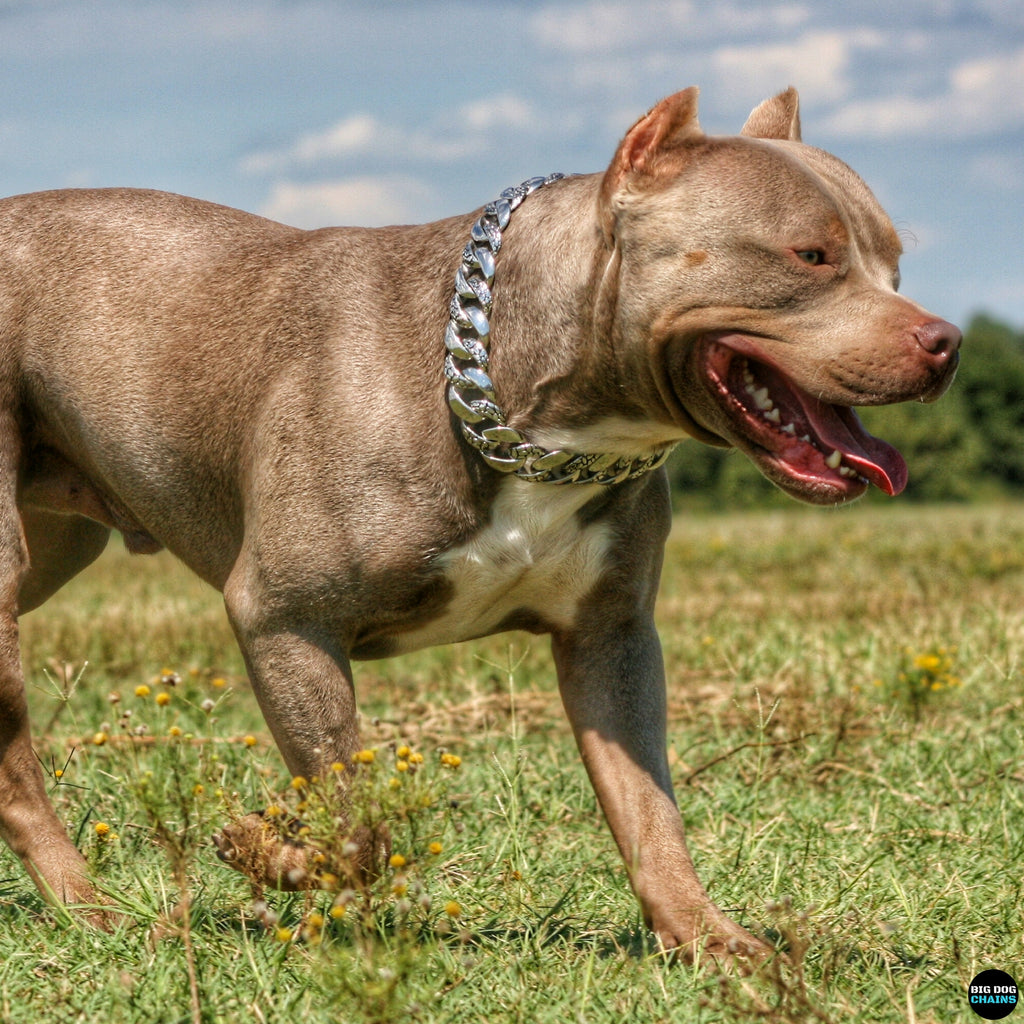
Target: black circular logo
{"x":992,"y":995}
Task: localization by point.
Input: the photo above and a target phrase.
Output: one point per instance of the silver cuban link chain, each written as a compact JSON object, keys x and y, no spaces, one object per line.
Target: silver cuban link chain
{"x":471,"y":392}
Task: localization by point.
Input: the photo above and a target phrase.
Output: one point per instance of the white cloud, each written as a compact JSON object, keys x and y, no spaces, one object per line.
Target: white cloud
{"x":503,"y":111}
{"x":351,"y":135}
{"x":982,"y":97}
{"x":603,"y":27}
{"x":57,"y":28}
{"x":367,"y":202}
{"x":817,"y":62}
{"x":363,"y":134}
{"x":614,"y":26}
{"x":360,"y":133}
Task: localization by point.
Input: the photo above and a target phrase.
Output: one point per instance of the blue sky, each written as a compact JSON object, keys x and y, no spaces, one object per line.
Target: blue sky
{"x":393,"y":111}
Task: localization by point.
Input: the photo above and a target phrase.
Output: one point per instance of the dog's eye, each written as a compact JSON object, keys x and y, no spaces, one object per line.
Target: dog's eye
{"x":812,"y":257}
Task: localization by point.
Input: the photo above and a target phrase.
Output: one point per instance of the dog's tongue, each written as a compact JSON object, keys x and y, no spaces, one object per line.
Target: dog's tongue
{"x":839,"y":427}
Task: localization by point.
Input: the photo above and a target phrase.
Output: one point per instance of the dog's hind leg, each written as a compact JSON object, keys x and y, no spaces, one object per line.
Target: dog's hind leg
{"x":28,"y":821}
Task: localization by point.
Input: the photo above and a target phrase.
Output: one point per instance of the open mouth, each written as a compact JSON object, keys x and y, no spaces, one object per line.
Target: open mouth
{"x":817,"y":451}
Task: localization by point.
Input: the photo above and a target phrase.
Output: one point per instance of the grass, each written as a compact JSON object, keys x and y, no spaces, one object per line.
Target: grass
{"x":846,"y":713}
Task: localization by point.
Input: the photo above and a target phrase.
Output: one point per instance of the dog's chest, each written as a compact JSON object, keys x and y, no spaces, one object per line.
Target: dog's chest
{"x":533,"y":557}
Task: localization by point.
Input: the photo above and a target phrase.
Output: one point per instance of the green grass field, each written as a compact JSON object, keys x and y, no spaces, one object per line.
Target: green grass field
{"x":846,"y":710}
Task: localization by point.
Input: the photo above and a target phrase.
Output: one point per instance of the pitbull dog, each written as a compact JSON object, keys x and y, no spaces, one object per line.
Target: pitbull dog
{"x":371,"y":441}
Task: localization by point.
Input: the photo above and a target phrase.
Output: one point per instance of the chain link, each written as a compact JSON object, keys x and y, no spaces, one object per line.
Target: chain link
{"x":471,"y":391}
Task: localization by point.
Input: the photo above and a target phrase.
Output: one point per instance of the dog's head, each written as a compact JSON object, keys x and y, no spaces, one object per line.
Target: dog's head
{"x":759,"y":275}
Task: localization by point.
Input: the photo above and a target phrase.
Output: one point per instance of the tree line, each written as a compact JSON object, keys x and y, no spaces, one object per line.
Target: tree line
{"x":968,"y":446}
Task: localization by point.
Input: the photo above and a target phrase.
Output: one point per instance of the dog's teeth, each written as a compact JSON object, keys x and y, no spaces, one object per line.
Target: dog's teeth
{"x":773,"y":416}
{"x":806,"y":439}
{"x":834,"y":459}
{"x":761,"y":399}
{"x":847,"y":471}
{"x":789,"y":429}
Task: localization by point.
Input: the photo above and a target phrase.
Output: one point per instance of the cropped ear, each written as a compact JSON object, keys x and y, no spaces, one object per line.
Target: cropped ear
{"x":667,"y":127}
{"x":777,"y":118}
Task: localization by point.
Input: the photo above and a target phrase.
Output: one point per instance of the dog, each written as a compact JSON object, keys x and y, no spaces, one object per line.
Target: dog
{"x":375,"y":440}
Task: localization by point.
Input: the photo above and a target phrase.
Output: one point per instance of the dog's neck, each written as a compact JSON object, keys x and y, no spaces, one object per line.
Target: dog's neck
{"x":471,"y":392}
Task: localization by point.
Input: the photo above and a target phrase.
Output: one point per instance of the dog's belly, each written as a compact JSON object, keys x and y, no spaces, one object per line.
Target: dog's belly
{"x":533,"y":561}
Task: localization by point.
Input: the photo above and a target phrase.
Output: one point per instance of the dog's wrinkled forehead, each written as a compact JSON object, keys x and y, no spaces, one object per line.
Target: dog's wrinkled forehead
{"x":778,"y":193}
{"x":852,"y":196}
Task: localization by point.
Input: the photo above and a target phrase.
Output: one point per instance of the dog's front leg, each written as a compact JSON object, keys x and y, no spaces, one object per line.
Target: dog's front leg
{"x":302,"y":680}
{"x":304,"y":687}
{"x":613,"y":687}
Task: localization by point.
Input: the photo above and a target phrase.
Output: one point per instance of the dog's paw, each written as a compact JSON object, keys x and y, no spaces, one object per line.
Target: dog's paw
{"x":270,"y":854}
{"x":255,"y":846}
{"x":720,"y":942}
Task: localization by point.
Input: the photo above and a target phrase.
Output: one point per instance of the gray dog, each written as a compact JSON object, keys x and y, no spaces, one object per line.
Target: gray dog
{"x":372,"y":441}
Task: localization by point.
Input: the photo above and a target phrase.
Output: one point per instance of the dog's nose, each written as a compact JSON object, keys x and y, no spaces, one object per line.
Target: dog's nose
{"x":939,"y":338}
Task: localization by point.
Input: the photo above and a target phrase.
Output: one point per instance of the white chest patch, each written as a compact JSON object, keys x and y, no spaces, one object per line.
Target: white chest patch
{"x":534,"y":555}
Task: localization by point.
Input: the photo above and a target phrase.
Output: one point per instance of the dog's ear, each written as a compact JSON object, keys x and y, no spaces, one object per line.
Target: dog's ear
{"x":664,"y":129}
{"x":777,"y":118}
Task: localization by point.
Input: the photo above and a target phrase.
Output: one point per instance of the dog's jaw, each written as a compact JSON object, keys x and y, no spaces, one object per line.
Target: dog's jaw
{"x":815,"y":451}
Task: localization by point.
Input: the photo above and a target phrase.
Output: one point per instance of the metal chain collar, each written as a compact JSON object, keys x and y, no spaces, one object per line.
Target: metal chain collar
{"x":471,"y":392}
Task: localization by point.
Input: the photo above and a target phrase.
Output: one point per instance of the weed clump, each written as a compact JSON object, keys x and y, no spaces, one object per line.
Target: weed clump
{"x":922,"y":678}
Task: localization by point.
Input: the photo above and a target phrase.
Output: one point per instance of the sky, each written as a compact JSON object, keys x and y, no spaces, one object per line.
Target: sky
{"x":400,"y":111}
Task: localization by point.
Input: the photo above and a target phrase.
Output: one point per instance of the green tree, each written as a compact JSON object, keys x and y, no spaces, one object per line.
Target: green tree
{"x":991,"y":383}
